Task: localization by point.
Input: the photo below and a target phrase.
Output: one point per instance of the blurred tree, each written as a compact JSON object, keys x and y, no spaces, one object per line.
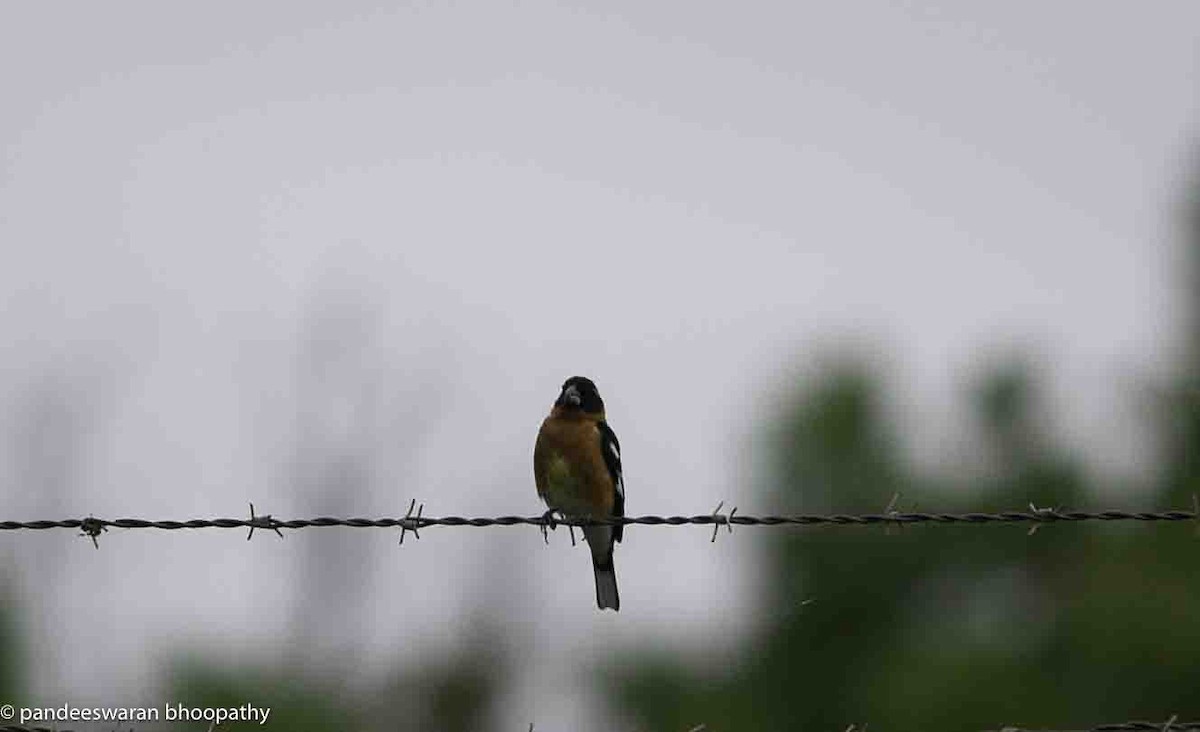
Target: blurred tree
{"x":48,"y":424}
{"x":452,"y":691}
{"x":456,"y":692}
{"x":332,"y":470}
{"x":947,"y":628}
{"x":360,"y":414}
{"x":358,"y":410}
{"x":296,"y":702}
{"x":13,"y":684}
{"x":1182,"y":405}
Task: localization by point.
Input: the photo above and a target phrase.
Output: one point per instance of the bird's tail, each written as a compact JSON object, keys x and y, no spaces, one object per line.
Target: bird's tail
{"x":606,"y":582}
{"x":600,"y":540}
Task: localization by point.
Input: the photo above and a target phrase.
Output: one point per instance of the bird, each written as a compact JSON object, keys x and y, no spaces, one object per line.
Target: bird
{"x":577,"y":469}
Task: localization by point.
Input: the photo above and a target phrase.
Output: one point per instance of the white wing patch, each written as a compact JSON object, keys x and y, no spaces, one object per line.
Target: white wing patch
{"x":613,"y":459}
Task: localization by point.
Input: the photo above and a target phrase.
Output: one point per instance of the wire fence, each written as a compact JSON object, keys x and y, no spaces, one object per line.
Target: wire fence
{"x":1170,"y":725}
{"x":414,"y":521}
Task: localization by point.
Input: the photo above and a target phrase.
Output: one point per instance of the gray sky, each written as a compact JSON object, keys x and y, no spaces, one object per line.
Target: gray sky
{"x":684,"y":201}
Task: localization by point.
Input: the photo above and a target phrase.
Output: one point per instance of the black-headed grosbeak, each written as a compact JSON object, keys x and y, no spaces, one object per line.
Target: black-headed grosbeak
{"x":577,"y":468}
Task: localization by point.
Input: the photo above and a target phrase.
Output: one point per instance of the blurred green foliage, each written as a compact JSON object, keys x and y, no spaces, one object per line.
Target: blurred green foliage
{"x":942,"y":628}
{"x":295,"y":702}
{"x":951,"y":628}
{"x":453,"y":692}
{"x":918,"y":627}
{"x":12,"y":652}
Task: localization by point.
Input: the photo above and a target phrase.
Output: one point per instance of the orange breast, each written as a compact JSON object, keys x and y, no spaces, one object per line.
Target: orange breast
{"x":569,"y":467}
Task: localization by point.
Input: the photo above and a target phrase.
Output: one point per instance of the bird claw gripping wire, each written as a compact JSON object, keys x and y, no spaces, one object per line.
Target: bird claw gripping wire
{"x":720,"y":519}
{"x":92,"y":527}
{"x":549,"y":522}
{"x":410,"y":522}
{"x":262,"y":522}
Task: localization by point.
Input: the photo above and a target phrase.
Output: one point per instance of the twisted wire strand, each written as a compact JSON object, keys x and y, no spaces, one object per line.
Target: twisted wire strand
{"x":1131,"y":726}
{"x":1170,"y":725}
{"x":93,"y":526}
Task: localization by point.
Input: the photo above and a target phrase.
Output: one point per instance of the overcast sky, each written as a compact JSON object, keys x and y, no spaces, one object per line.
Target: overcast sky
{"x":686,"y":202}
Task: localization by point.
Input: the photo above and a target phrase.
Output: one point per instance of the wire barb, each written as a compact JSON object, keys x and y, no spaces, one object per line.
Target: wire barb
{"x":92,"y":527}
{"x":410,"y":522}
{"x":262,"y":522}
{"x":719,"y":519}
{"x":892,"y":512}
{"x":1050,"y":514}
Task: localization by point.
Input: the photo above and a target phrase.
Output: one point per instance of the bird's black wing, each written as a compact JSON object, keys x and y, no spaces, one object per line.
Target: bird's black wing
{"x":611,"y":448}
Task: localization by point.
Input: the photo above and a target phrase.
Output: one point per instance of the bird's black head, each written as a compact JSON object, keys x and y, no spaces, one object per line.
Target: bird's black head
{"x":579,"y":392}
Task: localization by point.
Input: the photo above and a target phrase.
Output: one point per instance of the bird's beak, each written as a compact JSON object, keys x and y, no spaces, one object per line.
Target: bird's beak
{"x":571,"y":396}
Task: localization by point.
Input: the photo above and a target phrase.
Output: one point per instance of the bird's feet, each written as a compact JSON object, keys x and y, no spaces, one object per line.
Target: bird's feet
{"x":548,"y":522}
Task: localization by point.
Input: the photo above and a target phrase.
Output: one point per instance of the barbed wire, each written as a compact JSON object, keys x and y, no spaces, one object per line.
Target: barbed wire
{"x":1170,"y":725}
{"x":92,"y":527}
{"x":414,"y":522}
